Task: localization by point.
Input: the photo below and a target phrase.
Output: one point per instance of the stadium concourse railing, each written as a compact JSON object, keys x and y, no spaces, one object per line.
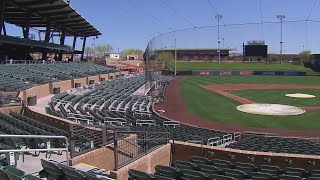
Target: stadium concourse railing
{"x":131,"y":145}
{"x":85,"y":137}
{"x":33,"y":62}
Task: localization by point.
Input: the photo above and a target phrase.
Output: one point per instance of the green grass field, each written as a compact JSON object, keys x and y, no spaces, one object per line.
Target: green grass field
{"x":278,"y":96}
{"x":211,"y":106}
{"x":239,"y":66}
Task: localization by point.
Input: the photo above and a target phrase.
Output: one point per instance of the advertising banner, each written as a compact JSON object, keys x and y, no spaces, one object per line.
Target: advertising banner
{"x":246,"y":73}
{"x":225,"y":73}
{"x":204,"y":73}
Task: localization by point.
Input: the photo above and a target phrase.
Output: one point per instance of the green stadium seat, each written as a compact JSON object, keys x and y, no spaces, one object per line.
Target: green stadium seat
{"x":208,"y":169}
{"x":199,"y":160}
{"x":220,"y":177}
{"x":184,"y":165}
{"x":260,"y":176}
{"x":167,"y":171}
{"x":138,"y":175}
{"x":14,"y":173}
{"x":234,"y":173}
{"x":3,"y":174}
{"x":50,"y":170}
{"x":71,"y":173}
{"x":158,"y":177}
{"x":288,"y":177}
{"x":192,"y":175}
{"x":30,"y":177}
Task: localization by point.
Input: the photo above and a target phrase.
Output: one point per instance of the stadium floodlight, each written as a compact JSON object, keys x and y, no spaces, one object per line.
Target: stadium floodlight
{"x":219,"y":17}
{"x":281,"y":17}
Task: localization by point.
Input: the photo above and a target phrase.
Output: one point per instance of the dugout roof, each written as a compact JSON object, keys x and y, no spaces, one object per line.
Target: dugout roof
{"x":39,"y":12}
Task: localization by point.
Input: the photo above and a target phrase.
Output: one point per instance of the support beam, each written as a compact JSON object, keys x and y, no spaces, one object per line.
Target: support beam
{"x":73,"y":46}
{"x":46,"y":39}
{"x":62,"y":39}
{"x":26,"y":29}
{"x":4,"y":29}
{"x":2,"y":6}
{"x":83,"y":47}
{"x":48,"y":31}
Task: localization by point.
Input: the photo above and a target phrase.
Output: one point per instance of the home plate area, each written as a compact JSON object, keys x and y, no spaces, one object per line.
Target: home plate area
{"x":270,"y":109}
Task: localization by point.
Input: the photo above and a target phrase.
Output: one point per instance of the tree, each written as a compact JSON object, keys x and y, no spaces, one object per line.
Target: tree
{"x":132,"y":51}
{"x":103,"y":49}
{"x":166,"y":59}
{"x":89,"y":52}
{"x":305,"y":56}
{"x":273,"y":57}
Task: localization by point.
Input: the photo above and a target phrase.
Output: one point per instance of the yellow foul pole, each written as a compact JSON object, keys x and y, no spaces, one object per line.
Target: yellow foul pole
{"x":175,"y":57}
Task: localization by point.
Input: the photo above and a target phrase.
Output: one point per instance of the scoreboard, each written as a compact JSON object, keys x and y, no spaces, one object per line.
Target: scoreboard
{"x":256,"y":50}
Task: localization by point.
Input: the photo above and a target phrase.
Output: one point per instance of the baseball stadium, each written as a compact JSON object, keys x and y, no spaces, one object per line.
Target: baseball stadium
{"x":207,"y":102}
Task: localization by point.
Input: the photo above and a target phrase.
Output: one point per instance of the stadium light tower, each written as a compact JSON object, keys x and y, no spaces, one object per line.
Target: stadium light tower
{"x":219,"y":17}
{"x":281,"y":17}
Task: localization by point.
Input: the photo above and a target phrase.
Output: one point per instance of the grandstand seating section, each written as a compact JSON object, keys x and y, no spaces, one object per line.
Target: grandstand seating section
{"x":17,"y":124}
{"x":277,"y":145}
{"x":7,"y":99}
{"x":111,"y":103}
{"x":32,"y":43}
{"x":17,"y":77}
{"x":199,"y":168}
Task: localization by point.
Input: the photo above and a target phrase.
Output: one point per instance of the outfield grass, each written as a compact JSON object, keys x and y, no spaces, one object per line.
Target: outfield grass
{"x":278,"y":96}
{"x":211,"y":106}
{"x":239,"y":66}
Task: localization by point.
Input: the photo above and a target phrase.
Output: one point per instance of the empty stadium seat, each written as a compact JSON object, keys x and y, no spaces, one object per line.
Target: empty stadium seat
{"x":138,"y":175}
{"x":167,"y":171}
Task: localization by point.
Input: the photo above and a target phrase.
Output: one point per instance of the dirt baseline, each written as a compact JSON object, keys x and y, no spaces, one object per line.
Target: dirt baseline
{"x":176,"y":109}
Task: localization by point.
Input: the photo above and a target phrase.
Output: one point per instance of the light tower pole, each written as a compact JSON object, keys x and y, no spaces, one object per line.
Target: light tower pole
{"x":281,"y":17}
{"x":219,"y":17}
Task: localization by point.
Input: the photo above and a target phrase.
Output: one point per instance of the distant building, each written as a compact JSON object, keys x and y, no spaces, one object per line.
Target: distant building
{"x":132,"y":56}
{"x":114,"y":55}
{"x":207,"y":54}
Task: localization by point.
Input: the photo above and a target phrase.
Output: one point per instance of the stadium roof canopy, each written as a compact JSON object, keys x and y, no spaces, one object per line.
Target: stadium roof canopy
{"x":39,"y":13}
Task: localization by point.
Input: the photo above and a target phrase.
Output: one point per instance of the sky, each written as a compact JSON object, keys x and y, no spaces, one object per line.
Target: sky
{"x":133,"y":23}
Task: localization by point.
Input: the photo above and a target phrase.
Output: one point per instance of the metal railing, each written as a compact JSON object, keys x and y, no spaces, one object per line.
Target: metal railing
{"x":131,"y":145}
{"x":48,"y":147}
{"x":85,"y":137}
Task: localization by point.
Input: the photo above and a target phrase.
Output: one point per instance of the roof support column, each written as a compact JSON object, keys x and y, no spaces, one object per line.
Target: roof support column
{"x":46,"y":39}
{"x":48,"y":31}
{"x":26,"y":29}
{"x":2,"y":6}
{"x":73,"y":46}
{"x":83,"y":47}
{"x":62,"y":39}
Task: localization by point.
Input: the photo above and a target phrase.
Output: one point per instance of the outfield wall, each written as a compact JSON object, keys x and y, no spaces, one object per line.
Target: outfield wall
{"x":239,"y":73}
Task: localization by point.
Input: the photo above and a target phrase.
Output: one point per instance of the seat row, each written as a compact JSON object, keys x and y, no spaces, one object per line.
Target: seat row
{"x":277,"y":145}
{"x":12,"y":173}
{"x":17,"y":77}
{"x":203,"y":169}
{"x":56,"y":171}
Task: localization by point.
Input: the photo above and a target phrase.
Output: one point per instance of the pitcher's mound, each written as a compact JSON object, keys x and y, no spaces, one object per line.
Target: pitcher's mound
{"x":270,"y":109}
{"x":300,"y":95}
